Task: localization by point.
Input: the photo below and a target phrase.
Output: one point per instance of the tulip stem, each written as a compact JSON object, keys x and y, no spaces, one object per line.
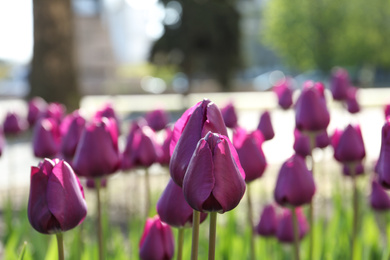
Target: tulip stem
{"x":180,"y":241}
{"x":296,"y":233}
{"x":212,"y":234}
{"x":147,"y":190}
{"x":60,"y":245}
{"x":99,"y":219}
{"x":195,"y":235}
{"x":355,"y":209}
{"x":250,"y":218}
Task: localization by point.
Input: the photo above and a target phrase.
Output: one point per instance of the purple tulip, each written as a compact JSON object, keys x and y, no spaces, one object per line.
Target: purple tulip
{"x":46,"y":138}
{"x":92,"y":185}
{"x":268,"y":223}
{"x":250,"y":151}
{"x":350,"y":147}
{"x":383,"y":164}
{"x":229,"y":115}
{"x":322,"y":139}
{"x":358,"y":169}
{"x":214,"y":180}
{"x":284,"y":92}
{"x":173,"y":209}
{"x":97,"y":153}
{"x":157,"y":241}
{"x":14,"y":124}
{"x":165,"y":153}
{"x":36,"y":106}
{"x":285,"y":230}
{"x":108,"y":111}
{"x":339,"y":84}
{"x":54,"y":110}
{"x":379,"y":199}
{"x":157,"y":119}
{"x":71,"y":127}
{"x":143,"y":149}
{"x":56,"y":201}
{"x":352,"y":103}
{"x":387,"y":110}
{"x":295,"y":185}
{"x":194,"y":124}
{"x":265,"y":126}
{"x":301,"y":143}
{"x":311,"y":112}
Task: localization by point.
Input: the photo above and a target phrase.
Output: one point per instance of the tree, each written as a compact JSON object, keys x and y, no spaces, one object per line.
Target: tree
{"x":53,"y":67}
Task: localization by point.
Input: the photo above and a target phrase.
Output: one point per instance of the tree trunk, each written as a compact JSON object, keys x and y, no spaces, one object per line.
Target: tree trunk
{"x":53,"y":68}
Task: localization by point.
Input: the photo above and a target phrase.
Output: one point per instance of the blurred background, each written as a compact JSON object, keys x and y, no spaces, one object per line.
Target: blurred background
{"x":63,"y":50}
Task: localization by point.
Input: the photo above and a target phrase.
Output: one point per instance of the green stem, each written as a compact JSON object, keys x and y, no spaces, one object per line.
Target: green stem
{"x":147,"y":190}
{"x":195,"y":235}
{"x":60,"y":245}
{"x":296,"y":233}
{"x":355,"y":209}
{"x":180,"y":241}
{"x":99,"y":219}
{"x":250,"y":218}
{"x":212,"y":234}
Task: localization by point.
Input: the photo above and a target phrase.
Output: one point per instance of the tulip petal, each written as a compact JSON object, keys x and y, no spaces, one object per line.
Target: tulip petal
{"x":214,"y":122}
{"x":199,"y":179}
{"x":64,"y":197}
{"x":152,"y":247}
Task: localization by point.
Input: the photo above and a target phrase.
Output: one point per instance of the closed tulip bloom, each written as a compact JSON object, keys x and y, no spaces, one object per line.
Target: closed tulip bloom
{"x":311,"y":112}
{"x":301,"y":143}
{"x":157,"y":119}
{"x":250,"y":151}
{"x":194,"y":124}
{"x":358,"y":169}
{"x":71,"y":128}
{"x":97,"y":153}
{"x":143,"y":149}
{"x":165,"y":153}
{"x":229,"y":115}
{"x":350,"y":146}
{"x":108,"y":111}
{"x":92,"y":185}
{"x":173,"y":209}
{"x":54,"y":110}
{"x":383,"y":164}
{"x":14,"y":124}
{"x":339,"y":84}
{"x":214,"y":180}
{"x":284,"y":92}
{"x":379,"y":199}
{"x":157,"y":241}
{"x":265,"y":126}
{"x":285,"y":230}
{"x":295,"y":185}
{"x":352,"y":103}
{"x":46,"y":138}
{"x":56,"y":201}
{"x":36,"y":106}
{"x":268,"y":223}
{"x":322,"y":139}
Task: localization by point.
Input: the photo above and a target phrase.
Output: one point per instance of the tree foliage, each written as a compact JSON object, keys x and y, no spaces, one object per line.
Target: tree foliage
{"x":320,"y":34}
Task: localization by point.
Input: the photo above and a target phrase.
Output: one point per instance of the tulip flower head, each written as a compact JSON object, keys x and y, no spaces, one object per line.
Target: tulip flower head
{"x":340,"y":84}
{"x":285,"y":230}
{"x":383,"y":164}
{"x":265,"y":126}
{"x":295,"y":185}
{"x":349,"y":146}
{"x":54,"y":110}
{"x":92,"y":185}
{"x":352,"y":103}
{"x":157,"y":242}
{"x":284,"y":92}
{"x":311,"y":112}
{"x":214,"y":180}
{"x":108,"y":111}
{"x":97,"y":152}
{"x":229,"y":115}
{"x":301,"y":143}
{"x":193,"y":125}
{"x":173,"y":209}
{"x":268,"y":223}
{"x":358,"y":169}
{"x":46,"y":138}
{"x":379,"y":199}
{"x":56,"y":201}
{"x":71,"y":127}
{"x":157,"y":119}
{"x":165,"y":154}
{"x":322,"y":139}
{"x":36,"y":106}
{"x":250,"y":151}
{"x":14,"y":124}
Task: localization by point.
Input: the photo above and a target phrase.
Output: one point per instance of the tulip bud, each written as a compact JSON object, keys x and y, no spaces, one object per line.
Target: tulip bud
{"x":350,"y":147}
{"x":311,"y":112}
{"x":157,"y":119}
{"x":46,"y":138}
{"x":157,"y":242}
{"x":339,"y":84}
{"x":92,"y":185}
{"x":71,"y":127}
{"x":358,"y":169}
{"x":97,"y":153}
{"x":14,"y":124}
{"x":54,"y":110}
{"x":173,"y":209}
{"x":56,"y":201}
{"x":36,"y":106}
{"x":214,"y":180}
{"x":229,"y":115}
{"x":250,"y":151}
{"x":108,"y":111}
{"x":322,"y":140}
{"x":283,"y":90}
{"x":285,"y":230}
{"x":295,"y":185}
{"x":165,"y":154}
{"x":194,"y":124}
{"x":301,"y":143}
{"x":383,"y":164}
{"x":268,"y":222}
{"x":379,"y":199}
{"x":265,"y":126}
{"x":352,"y":104}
